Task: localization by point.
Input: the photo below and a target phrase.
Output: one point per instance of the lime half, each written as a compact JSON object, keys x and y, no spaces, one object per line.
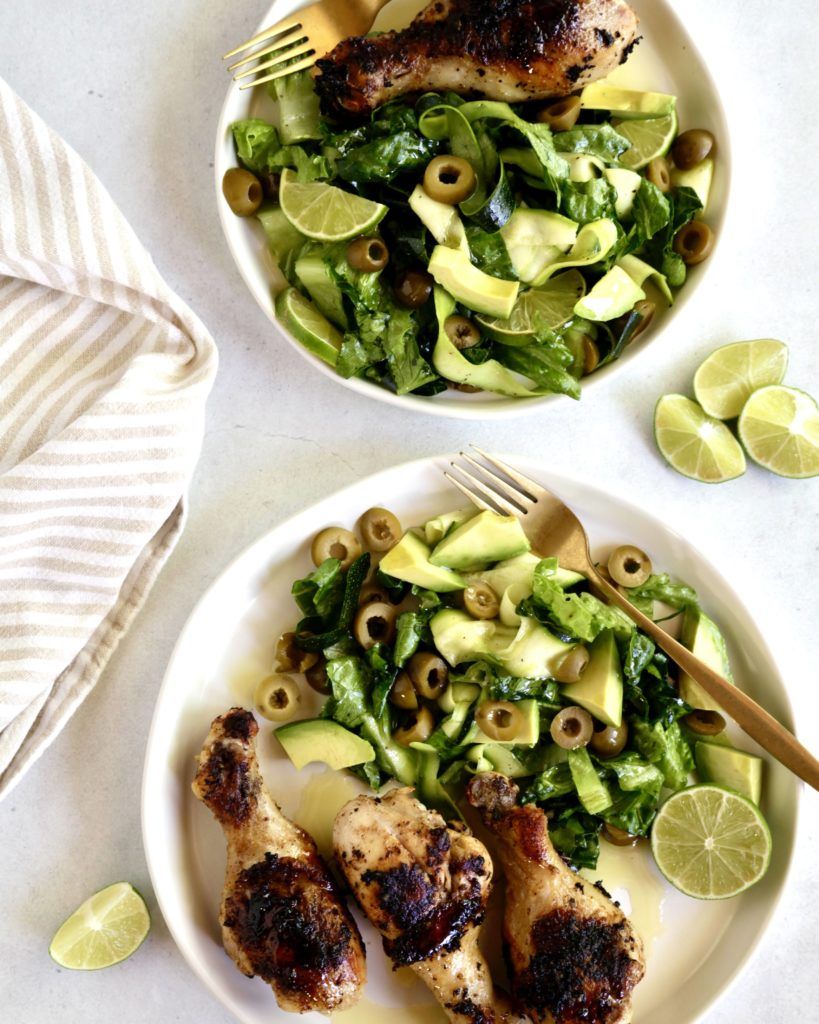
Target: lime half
{"x":779,"y":427}
{"x":729,"y":376}
{"x":110,"y":926}
{"x":711,"y":843}
{"x":324,"y":212}
{"x":549,"y":306}
{"x":695,"y":444}
{"x":649,"y":138}
{"x":308,"y":326}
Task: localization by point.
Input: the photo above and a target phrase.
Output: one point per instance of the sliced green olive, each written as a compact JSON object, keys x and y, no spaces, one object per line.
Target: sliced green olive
{"x":629,"y":566}
{"x":571,"y":728}
{"x":380,"y":529}
{"x":418,"y":727}
{"x":659,"y":173}
{"x":572,"y":665}
{"x":374,"y":624}
{"x":317,"y":678}
{"x":591,"y":355}
{"x":608,"y":740}
{"x":372,"y":592}
{"x":402,"y":693}
{"x":692,"y":147}
{"x":694,"y":242}
{"x":276,"y":698}
{"x":368,"y":254}
{"x":413,"y":288}
{"x":449,"y":179}
{"x":705,"y":723}
{"x":561,"y":115}
{"x":462,"y":332}
{"x":500,"y":720}
{"x":646,"y":309}
{"x":335,"y":542}
{"x":481,"y":601}
{"x":429,"y":674}
{"x":618,"y":836}
{"x":290,"y":658}
{"x":243,"y":191}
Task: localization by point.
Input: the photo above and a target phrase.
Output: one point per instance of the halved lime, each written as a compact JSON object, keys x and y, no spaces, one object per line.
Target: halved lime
{"x":110,"y":926}
{"x":649,"y":138}
{"x":549,"y":306}
{"x":308,"y":326}
{"x":779,"y":427}
{"x":695,"y":444}
{"x":711,"y":843}
{"x":324,"y":212}
{"x":728,"y":377}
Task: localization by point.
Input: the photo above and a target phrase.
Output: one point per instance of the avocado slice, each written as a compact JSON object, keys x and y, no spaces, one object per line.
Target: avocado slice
{"x":528,"y":735}
{"x":639,"y":271}
{"x":700,"y":178}
{"x":594,"y":242}
{"x":530,"y":651}
{"x":480,"y":292}
{"x":504,"y":761}
{"x":600,"y":688}
{"x":317,"y":278}
{"x":626,"y":103}
{"x":626,"y":184}
{"x":733,"y":769}
{"x":520,"y":571}
{"x":534,"y":238}
{"x":612,"y":296}
{"x":440,"y":219}
{"x":591,"y":790}
{"x":486,"y":537}
{"x":436,"y":529}
{"x":409,"y":561}
{"x":321,"y":739}
{"x":702,"y":637}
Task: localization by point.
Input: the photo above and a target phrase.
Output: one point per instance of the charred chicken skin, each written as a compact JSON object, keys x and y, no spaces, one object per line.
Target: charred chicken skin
{"x":573,"y":956}
{"x":512,"y":50}
{"x":282,"y":916}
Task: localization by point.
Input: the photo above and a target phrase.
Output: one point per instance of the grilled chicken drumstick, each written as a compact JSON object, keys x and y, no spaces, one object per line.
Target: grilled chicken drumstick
{"x":572,"y":954}
{"x":424,"y":886}
{"x":282,"y":915}
{"x":511,"y":50}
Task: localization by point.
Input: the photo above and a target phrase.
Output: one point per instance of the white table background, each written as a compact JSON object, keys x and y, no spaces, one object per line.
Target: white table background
{"x":136,"y":89}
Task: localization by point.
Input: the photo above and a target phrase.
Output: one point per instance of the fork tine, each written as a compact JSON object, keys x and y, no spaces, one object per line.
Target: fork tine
{"x":288,"y":69}
{"x":532,"y":489}
{"x":512,"y":493}
{"x":285,"y":52}
{"x":502,"y":503}
{"x":472,"y":497}
{"x":262,"y":37}
{"x":290,"y":36}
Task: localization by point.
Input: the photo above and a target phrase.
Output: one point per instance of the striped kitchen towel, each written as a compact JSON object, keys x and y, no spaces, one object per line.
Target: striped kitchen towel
{"x":104,"y":374}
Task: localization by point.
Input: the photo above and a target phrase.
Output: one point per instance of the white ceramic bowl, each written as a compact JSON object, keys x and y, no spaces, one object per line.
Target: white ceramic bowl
{"x":665,"y":61}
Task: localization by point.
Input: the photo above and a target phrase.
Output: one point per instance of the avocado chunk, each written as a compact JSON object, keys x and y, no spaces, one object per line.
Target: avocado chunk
{"x":702,"y":637}
{"x":600,"y":688}
{"x":480,"y":292}
{"x":321,"y":739}
{"x":487,"y":537}
{"x":733,"y":769}
{"x":534,"y":238}
{"x":527,"y":736}
{"x":699,"y":178}
{"x":436,"y":529}
{"x":591,"y":790}
{"x":440,"y":219}
{"x":318,"y":279}
{"x":409,"y":561}
{"x":520,"y":571}
{"x":613,"y":295}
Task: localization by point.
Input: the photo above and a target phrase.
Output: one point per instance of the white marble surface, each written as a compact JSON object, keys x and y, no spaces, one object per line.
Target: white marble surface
{"x":136,"y":88}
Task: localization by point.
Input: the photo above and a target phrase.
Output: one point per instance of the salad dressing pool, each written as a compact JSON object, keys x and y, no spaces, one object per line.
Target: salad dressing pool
{"x":631,"y":878}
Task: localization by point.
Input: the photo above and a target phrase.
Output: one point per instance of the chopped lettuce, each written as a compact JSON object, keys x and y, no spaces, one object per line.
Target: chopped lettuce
{"x":321,"y":592}
{"x":666,"y":747}
{"x":580,"y":616}
{"x":600,"y":140}
{"x":256,"y":142}
{"x":588,"y":201}
{"x":385,"y":158}
{"x":660,"y":587}
{"x":297,"y":106}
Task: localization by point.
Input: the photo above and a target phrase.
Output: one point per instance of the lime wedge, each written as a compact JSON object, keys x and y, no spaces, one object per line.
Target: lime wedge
{"x":110,"y":926}
{"x":695,"y":444}
{"x":710,"y":843}
{"x":729,"y":376}
{"x":549,"y":306}
{"x":779,"y":427}
{"x":649,"y":138}
{"x":324,"y":212}
{"x":308,"y":326}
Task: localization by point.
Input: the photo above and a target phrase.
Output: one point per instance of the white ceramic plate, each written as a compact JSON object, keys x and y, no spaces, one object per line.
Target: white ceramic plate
{"x":695,"y":949}
{"x":665,"y":61}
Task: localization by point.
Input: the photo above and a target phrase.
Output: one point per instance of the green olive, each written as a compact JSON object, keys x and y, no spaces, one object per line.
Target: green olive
{"x":694,"y":242}
{"x":449,"y":179}
{"x":290,"y":658}
{"x":561,"y":115}
{"x":276,"y":698}
{"x":500,"y":720}
{"x":608,"y":740}
{"x":374,"y":623}
{"x":317,"y":678}
{"x":243,"y":191}
{"x":618,"y":836}
{"x":659,"y":173}
{"x":481,"y":601}
{"x":629,"y":566}
{"x":368,"y":254}
{"x":692,"y":147}
{"x":462,"y":332}
{"x":646,"y":309}
{"x":335,"y":542}
{"x":571,"y":728}
{"x":572,"y":665}
{"x":417,"y":728}
{"x":591,"y":355}
{"x":429,"y":674}
{"x":413,"y":288}
{"x":372,"y":592}
{"x":402,"y":693}
{"x":705,"y":723}
{"x":379,"y":529}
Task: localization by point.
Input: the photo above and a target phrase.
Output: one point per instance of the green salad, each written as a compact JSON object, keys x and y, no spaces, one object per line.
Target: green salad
{"x":472,"y":244}
{"x":462,"y":651}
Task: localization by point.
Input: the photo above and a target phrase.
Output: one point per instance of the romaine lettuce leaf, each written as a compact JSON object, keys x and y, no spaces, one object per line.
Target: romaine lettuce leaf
{"x":383,"y":159}
{"x":588,"y":201}
{"x":579,"y":615}
{"x":666,"y":747}
{"x":600,"y":140}
{"x":256,"y":142}
{"x":660,"y":587}
{"x":322,"y":591}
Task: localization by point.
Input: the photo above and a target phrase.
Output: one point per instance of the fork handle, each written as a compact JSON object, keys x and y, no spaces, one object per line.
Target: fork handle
{"x":749,"y":716}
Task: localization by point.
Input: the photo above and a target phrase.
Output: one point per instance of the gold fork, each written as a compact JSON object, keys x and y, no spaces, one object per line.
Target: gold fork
{"x":302,"y":38}
{"x":555,"y":531}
